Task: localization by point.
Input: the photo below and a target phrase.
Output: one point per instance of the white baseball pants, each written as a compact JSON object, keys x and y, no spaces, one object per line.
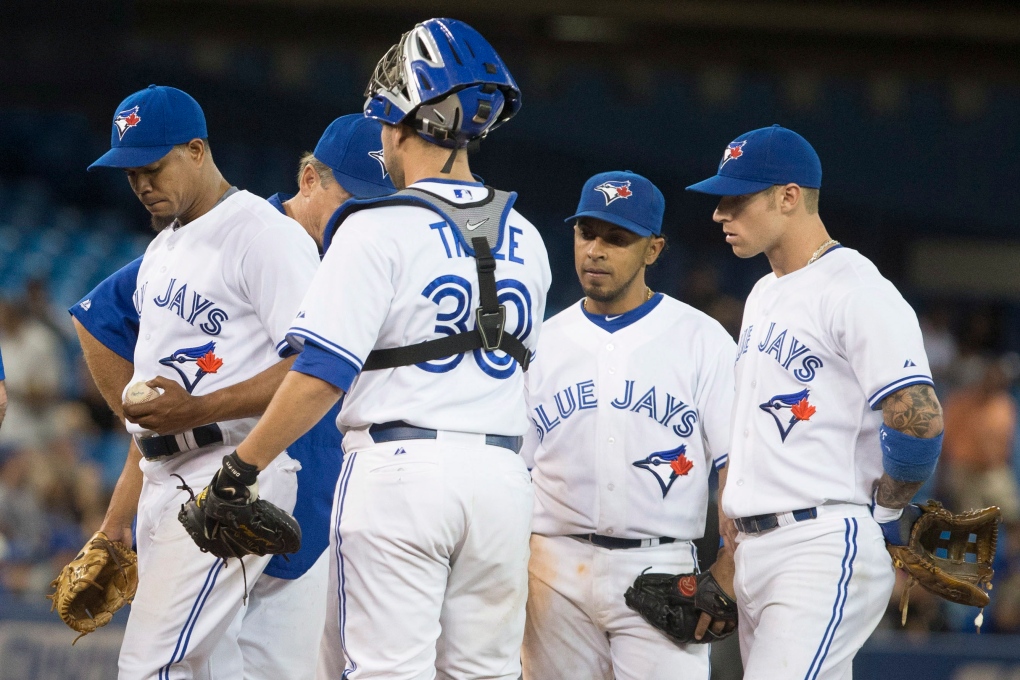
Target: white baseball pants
{"x":810,"y":594}
{"x":188,"y":600}
{"x":580,"y":628}
{"x":429,"y":561}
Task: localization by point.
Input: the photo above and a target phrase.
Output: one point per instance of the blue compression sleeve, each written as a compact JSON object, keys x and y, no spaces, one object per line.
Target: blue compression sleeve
{"x":906,"y":458}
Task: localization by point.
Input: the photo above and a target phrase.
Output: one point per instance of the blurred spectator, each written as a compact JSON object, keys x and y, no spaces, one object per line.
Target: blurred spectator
{"x":33,"y":362}
{"x":701,"y":291}
{"x":1005,"y":613}
{"x":39,"y":307}
{"x":981,"y":422}
{"x":940,"y":346}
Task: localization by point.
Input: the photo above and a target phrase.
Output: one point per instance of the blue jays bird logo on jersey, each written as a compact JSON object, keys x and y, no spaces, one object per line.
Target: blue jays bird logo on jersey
{"x":378,"y":155}
{"x":666,"y":466}
{"x":734,"y":150}
{"x":796,"y":403}
{"x":203,"y":357}
{"x":615,"y":189}
{"x":126,"y":119}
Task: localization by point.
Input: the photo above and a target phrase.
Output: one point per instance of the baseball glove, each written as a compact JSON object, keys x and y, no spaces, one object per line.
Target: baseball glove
{"x":674,"y":603}
{"x":953,"y":576}
{"x":238,"y":527}
{"x":99,"y":581}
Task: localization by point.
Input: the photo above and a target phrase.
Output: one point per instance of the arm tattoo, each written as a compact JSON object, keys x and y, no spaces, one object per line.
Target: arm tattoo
{"x":894,"y":494}
{"x":915,"y":411}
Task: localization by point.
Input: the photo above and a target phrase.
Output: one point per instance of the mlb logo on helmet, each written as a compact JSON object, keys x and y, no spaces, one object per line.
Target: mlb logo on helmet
{"x":733,"y":151}
{"x":126,"y":119}
{"x":615,"y":190}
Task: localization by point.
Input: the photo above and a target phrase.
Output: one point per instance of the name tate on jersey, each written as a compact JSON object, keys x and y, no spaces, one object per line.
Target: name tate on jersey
{"x":201,"y":311}
{"x":454,"y":248}
{"x":785,"y":353}
{"x":582,"y":396}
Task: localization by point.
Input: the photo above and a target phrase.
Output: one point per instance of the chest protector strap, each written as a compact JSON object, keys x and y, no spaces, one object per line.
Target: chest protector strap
{"x":483,"y":221}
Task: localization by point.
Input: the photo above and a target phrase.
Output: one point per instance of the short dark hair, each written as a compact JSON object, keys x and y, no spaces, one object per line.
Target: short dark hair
{"x":810,"y":197}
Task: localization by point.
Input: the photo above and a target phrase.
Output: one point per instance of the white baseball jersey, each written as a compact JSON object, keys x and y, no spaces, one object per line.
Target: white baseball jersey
{"x":399,"y":275}
{"x":819,"y":351}
{"x":216,"y":297}
{"x":629,"y":412}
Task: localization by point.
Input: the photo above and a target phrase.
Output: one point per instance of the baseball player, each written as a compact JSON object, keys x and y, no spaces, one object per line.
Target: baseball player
{"x":835,"y":425}
{"x":630,"y":397}
{"x":214,"y":294}
{"x":291,"y":593}
{"x":424,"y":313}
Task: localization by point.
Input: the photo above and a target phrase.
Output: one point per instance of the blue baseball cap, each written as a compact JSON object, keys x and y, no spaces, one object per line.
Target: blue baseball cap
{"x":352,"y":148}
{"x":148,"y":124}
{"x":625,"y":199}
{"x":763,"y":158}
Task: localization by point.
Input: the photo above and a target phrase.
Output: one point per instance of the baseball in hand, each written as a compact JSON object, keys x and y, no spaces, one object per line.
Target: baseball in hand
{"x":140,"y":393}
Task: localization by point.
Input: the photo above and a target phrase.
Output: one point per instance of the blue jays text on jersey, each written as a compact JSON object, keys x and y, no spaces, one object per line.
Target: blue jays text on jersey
{"x":785,"y":350}
{"x":196,"y":309}
{"x":667,"y":410}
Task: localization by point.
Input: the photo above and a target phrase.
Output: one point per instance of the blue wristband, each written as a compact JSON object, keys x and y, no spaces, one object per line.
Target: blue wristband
{"x":906,"y":458}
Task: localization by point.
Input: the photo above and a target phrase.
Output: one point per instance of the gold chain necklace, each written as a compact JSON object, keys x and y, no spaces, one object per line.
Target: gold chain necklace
{"x":648,"y":296}
{"x":822,"y":249}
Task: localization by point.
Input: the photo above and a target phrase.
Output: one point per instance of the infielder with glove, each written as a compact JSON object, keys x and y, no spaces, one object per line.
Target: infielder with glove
{"x":630,"y":398}
{"x":213,"y":296}
{"x":279,"y":636}
{"x":424,"y":313}
{"x":835,"y":413}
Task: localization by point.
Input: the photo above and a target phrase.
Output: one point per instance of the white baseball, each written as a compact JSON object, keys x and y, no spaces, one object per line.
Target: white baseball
{"x":140,"y":393}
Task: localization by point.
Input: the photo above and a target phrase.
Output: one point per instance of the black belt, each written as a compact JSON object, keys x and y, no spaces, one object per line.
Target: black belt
{"x":623,"y":543}
{"x":398,"y":430}
{"x":760,"y":523}
{"x":161,"y":446}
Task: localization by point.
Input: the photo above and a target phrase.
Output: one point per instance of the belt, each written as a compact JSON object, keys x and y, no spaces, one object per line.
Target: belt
{"x":622,"y":543}
{"x":398,"y":430}
{"x":162,"y":446}
{"x":761,"y":523}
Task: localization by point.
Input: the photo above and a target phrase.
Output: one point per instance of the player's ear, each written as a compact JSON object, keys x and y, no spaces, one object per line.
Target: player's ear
{"x":654,"y":248}
{"x":309,"y":179}
{"x":791,"y":197}
{"x":195,"y":150}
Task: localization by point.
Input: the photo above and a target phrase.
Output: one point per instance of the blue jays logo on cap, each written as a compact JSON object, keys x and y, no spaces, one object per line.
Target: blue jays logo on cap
{"x":666,"y":466}
{"x":733,"y":151}
{"x":204,"y":357}
{"x":613,"y":190}
{"x":126,"y":119}
{"x":798,"y":405}
{"x":378,"y":155}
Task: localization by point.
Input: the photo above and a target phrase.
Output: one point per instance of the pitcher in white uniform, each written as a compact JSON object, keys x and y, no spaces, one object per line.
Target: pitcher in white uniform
{"x":630,"y":398}
{"x":835,"y":424}
{"x":215,"y":294}
{"x":424,"y":312}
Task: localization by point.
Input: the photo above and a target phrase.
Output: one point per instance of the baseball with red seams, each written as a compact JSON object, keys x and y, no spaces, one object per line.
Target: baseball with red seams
{"x":140,"y":393}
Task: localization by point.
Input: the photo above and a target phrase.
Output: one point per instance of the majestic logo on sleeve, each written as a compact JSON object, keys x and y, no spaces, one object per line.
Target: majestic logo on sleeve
{"x":734,"y":150}
{"x":126,"y":119}
{"x":378,"y":155}
{"x":666,"y":466}
{"x":202,"y":357}
{"x":797,"y":405}
{"x":613,"y":190}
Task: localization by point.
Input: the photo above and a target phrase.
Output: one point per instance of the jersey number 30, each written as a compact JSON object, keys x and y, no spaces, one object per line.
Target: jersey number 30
{"x":452,"y":295}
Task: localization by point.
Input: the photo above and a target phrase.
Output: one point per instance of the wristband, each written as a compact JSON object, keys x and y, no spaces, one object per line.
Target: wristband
{"x":238,"y":472}
{"x":906,"y":458}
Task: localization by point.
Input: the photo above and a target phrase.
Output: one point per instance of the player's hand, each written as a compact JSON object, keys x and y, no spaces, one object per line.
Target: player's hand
{"x":172,"y":412}
{"x":118,"y":533}
{"x":728,"y":531}
{"x":722,"y":571}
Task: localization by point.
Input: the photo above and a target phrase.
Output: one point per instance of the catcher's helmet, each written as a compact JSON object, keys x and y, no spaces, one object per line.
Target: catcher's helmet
{"x":446,"y":81}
